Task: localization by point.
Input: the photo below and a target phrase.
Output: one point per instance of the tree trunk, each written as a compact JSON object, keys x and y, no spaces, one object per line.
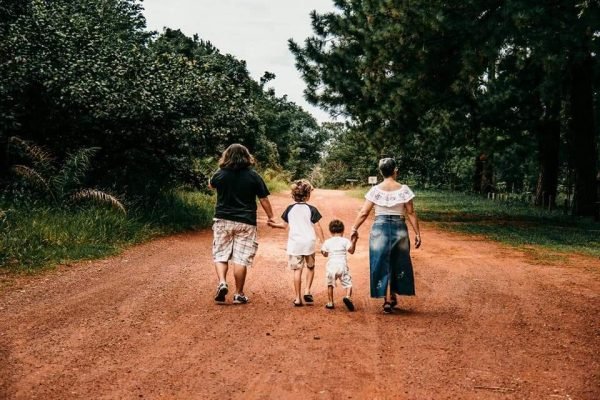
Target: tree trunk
{"x":484,"y":174}
{"x":548,"y":135}
{"x":582,"y":136}
{"x":3,"y":160}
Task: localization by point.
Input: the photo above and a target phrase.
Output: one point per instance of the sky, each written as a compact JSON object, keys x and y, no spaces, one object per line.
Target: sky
{"x":256,"y":31}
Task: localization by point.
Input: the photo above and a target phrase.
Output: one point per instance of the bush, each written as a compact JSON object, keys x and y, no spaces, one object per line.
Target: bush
{"x":277,"y":181}
{"x":37,"y":235}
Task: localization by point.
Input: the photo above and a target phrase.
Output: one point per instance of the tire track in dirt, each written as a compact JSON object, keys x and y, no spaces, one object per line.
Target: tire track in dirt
{"x":486,"y":324}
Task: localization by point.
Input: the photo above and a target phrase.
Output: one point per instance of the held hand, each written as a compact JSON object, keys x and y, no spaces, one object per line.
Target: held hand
{"x":417,"y":241}
{"x":354,"y":236}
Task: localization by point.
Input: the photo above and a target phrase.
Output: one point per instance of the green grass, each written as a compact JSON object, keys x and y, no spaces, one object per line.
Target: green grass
{"x":516,"y":224}
{"x":38,"y":237}
{"x":277,"y":181}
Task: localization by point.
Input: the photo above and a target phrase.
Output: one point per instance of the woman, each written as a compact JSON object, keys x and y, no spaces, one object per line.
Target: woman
{"x":389,"y":245}
{"x":234,"y":228}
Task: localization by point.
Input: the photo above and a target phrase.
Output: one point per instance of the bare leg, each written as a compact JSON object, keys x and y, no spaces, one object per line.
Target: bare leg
{"x":330,"y":294}
{"x":221,"y":269}
{"x":310,"y":275}
{"x":349,"y":292}
{"x":298,"y":285}
{"x":387,"y":293}
{"x":239,"y":272}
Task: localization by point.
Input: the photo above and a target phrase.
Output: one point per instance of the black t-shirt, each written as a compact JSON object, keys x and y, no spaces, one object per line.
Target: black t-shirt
{"x":237,"y":191}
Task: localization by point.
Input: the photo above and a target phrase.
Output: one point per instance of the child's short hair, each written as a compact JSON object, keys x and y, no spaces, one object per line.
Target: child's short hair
{"x":301,"y":190}
{"x":336,"y":226}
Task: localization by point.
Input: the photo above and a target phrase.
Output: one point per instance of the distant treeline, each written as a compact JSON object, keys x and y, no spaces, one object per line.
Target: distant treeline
{"x":156,"y":110}
{"x":479,"y":95}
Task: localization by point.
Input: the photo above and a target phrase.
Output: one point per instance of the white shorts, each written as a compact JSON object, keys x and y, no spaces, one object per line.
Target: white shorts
{"x":298,"y":262}
{"x":341,"y":273}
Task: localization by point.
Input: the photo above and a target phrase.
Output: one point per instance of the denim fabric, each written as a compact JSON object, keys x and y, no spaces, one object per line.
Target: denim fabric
{"x":389,"y":257}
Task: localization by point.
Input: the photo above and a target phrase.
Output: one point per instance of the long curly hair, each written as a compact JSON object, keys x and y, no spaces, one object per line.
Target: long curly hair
{"x":236,"y":157}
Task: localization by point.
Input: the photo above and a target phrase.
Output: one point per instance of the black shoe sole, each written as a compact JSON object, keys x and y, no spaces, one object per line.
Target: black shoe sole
{"x":349,"y":304}
{"x":220,"y":297}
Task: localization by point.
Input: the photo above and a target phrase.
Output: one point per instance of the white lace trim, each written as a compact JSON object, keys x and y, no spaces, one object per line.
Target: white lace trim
{"x":389,"y":199}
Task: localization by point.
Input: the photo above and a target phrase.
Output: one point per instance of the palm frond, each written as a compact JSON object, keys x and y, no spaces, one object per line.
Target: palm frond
{"x":99,"y":197}
{"x":39,"y":156}
{"x":74,"y":169}
{"x":33,"y":177}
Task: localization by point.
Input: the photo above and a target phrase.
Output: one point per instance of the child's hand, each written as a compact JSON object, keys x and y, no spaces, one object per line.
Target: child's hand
{"x":274,"y":224}
{"x":325,"y":254}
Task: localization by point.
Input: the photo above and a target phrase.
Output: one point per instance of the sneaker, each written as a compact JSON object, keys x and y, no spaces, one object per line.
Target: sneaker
{"x":221,"y":292}
{"x":240,"y":299}
{"x":329,"y":306}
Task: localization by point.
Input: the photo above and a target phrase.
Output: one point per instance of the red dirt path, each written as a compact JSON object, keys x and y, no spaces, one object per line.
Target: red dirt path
{"x":486,"y":323}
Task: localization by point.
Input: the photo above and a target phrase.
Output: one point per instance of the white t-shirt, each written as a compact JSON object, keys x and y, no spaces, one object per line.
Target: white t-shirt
{"x":337,"y":247}
{"x":389,"y":203}
{"x":302,"y":237}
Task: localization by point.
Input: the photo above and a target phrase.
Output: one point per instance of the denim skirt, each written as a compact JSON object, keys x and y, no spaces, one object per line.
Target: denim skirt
{"x":389,"y":257}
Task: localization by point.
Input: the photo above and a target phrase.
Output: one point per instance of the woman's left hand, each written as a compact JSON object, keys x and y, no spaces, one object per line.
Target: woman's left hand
{"x":417,"y":241}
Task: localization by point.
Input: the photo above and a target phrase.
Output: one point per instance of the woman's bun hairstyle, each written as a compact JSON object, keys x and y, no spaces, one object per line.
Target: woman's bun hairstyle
{"x":387,"y":166}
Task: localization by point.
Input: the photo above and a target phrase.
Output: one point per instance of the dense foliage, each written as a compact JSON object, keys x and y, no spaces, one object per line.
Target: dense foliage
{"x":157,"y":108}
{"x":481,"y":94}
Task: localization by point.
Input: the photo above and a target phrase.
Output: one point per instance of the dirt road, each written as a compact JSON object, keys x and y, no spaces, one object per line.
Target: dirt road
{"x":487,"y":323}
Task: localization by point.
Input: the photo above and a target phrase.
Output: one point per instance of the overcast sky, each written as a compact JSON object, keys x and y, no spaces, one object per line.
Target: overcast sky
{"x":252,"y":30}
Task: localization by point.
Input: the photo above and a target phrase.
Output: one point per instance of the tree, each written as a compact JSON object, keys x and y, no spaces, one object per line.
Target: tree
{"x":487,"y":79}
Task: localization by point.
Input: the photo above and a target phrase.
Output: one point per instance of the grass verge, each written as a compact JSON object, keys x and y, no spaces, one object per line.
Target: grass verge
{"x":36,"y":237}
{"x":277,"y":181}
{"x":512,"y":223}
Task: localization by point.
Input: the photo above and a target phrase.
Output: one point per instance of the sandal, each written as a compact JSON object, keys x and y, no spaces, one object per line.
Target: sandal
{"x":349,"y":304}
{"x":298,"y":304}
{"x":329,"y":306}
{"x":387,"y":308}
{"x":394,"y":302}
{"x":308,"y":298}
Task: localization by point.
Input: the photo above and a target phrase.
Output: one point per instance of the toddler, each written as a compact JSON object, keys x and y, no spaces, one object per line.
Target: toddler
{"x":336,"y":248}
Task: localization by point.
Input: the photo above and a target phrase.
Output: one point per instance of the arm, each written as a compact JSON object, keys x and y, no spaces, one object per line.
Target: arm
{"x":414,"y":222}
{"x":319,"y":231}
{"x":360,"y":218}
{"x":279,"y":225}
{"x":324,"y":250}
{"x":266,"y":205}
{"x":352,"y":247}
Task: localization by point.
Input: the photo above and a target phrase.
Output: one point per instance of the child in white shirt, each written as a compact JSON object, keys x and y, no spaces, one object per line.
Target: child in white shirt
{"x":336,"y":248}
{"x":304,"y":227}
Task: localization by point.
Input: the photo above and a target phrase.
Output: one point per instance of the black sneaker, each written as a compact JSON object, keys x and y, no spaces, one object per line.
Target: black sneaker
{"x":349,"y":304}
{"x":221,"y":292}
{"x":240,"y":299}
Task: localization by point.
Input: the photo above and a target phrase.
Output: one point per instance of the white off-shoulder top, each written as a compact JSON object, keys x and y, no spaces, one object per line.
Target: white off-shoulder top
{"x":389,"y":203}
